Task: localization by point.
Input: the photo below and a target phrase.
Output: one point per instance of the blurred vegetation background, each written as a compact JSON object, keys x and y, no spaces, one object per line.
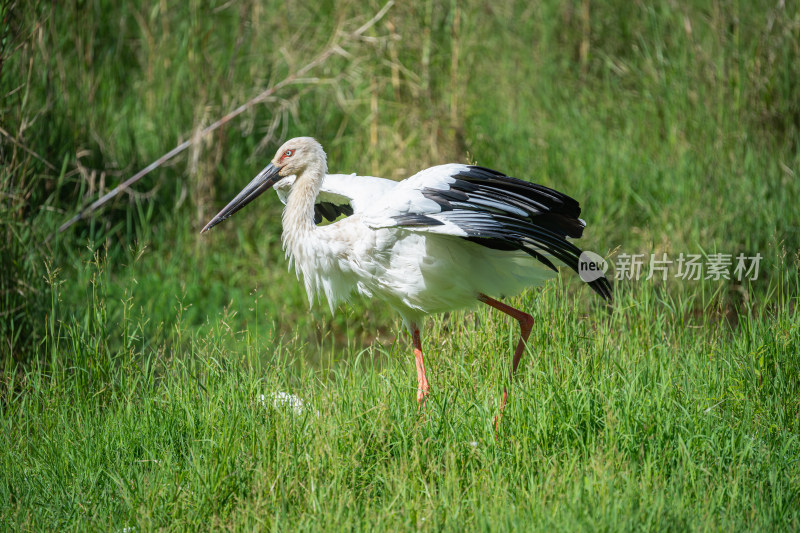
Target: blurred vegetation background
{"x":676,"y":124}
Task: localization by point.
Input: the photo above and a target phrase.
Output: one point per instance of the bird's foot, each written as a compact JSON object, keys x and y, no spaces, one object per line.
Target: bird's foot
{"x":496,"y":422}
{"x":422,"y":396}
{"x":499,"y":417}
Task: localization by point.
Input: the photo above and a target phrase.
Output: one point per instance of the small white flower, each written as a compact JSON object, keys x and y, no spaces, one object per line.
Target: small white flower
{"x":280,"y":399}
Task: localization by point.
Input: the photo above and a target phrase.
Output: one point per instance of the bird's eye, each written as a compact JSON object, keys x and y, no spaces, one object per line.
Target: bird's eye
{"x":288,"y":153}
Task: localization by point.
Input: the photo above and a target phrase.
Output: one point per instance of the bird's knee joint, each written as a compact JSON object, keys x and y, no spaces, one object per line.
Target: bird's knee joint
{"x":526,"y":323}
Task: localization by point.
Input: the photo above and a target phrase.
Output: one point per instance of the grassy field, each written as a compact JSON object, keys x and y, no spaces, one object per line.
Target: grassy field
{"x":143,"y":367}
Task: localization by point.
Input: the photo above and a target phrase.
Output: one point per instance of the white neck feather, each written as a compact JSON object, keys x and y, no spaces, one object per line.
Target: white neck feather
{"x":298,"y":215}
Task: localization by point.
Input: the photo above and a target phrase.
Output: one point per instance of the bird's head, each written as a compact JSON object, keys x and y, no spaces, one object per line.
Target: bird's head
{"x":293,"y":158}
{"x":296,"y":155}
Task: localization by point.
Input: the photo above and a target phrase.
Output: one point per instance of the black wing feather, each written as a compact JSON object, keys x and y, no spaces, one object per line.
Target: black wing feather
{"x":505,"y":213}
{"x":330,"y":211}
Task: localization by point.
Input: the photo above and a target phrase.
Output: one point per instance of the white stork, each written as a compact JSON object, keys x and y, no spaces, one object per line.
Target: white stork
{"x":444,"y":239}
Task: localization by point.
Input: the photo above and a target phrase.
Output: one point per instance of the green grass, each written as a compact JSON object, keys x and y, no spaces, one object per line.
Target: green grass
{"x":647,"y":417}
{"x":133,"y":351}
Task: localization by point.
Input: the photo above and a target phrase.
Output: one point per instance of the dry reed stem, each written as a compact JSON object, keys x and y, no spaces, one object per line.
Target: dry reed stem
{"x":335,"y":48}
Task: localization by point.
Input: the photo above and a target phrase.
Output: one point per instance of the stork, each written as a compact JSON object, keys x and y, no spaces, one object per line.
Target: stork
{"x":444,"y":239}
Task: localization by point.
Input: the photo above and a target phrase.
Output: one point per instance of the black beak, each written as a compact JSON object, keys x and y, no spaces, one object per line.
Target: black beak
{"x":265,"y":179}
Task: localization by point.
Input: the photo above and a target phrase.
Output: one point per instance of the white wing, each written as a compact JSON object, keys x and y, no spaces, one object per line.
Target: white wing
{"x":341,"y":193}
{"x":488,"y":208}
{"x":408,"y":206}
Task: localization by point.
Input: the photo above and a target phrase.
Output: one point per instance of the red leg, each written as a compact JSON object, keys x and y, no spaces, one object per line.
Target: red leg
{"x":422,"y":390}
{"x":525,"y":325}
